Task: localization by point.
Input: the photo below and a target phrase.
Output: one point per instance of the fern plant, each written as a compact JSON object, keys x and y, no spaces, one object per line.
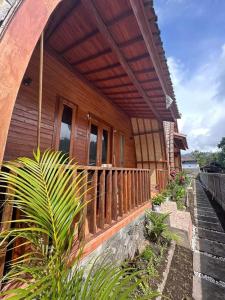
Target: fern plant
{"x":157,"y":228}
{"x":48,"y":192}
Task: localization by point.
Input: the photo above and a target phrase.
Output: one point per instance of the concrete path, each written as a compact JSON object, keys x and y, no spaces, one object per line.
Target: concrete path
{"x":209,"y":250}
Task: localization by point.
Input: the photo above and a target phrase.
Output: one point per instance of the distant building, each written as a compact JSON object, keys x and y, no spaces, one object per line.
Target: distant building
{"x":190,"y":163}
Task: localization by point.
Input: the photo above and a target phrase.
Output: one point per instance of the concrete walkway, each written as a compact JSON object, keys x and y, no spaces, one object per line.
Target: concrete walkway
{"x":209,"y":250}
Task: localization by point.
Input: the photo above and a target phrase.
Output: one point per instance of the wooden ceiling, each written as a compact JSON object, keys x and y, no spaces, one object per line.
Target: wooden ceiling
{"x":116,"y":46}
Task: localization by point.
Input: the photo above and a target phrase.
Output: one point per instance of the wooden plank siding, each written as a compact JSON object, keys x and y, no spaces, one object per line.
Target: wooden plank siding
{"x":150,"y":146}
{"x":60,"y":82}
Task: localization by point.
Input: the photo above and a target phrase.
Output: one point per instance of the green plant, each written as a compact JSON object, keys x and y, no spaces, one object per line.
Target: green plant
{"x":48,"y":193}
{"x":158,"y":199}
{"x":157,"y":228}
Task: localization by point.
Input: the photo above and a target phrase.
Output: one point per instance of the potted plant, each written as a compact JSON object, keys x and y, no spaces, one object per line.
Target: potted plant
{"x":166,"y":194}
{"x":157,"y":200}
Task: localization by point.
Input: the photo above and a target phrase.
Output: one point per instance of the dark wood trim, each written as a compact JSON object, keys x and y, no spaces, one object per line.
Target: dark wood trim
{"x":79,"y":42}
{"x":92,"y":57}
{"x":89,"y":5}
{"x":117,"y":86}
{"x":149,"y":80}
{"x":111,"y":77}
{"x":122,"y":92}
{"x":108,"y":67}
{"x":146,"y":70}
{"x":61,"y":20}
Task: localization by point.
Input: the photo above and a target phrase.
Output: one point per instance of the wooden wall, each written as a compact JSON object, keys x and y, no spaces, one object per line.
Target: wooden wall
{"x":58,"y":81}
{"x":150,"y":146}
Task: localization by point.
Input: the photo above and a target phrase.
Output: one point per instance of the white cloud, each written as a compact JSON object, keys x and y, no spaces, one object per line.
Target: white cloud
{"x":201,"y":99}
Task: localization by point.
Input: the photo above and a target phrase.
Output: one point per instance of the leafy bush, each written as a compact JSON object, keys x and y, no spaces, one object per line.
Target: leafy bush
{"x":49,"y":194}
{"x":157,"y":228}
{"x":158,"y":199}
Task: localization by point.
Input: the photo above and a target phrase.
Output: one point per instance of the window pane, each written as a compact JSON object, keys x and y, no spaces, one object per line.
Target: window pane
{"x":104,"y":146}
{"x":65,"y":133}
{"x":122,"y":142}
{"x":93,"y":145}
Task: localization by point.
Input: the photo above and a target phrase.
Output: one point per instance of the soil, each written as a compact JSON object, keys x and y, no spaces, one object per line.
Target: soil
{"x":179,"y":281}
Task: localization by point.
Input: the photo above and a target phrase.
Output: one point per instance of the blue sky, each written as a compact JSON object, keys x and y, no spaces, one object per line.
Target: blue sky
{"x":193,"y":34}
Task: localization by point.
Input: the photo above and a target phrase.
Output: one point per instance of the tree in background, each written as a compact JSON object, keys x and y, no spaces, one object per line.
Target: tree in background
{"x":221,"y":153}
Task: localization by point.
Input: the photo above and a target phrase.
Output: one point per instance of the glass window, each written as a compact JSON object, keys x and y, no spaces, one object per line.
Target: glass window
{"x":93,"y":145}
{"x":65,"y":132}
{"x":122,"y":142}
{"x":104,"y":146}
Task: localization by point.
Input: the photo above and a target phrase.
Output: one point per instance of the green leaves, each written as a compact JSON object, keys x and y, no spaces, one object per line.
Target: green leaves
{"x":47,"y":192}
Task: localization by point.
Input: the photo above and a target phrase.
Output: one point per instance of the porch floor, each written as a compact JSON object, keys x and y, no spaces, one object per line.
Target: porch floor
{"x":209,"y":249}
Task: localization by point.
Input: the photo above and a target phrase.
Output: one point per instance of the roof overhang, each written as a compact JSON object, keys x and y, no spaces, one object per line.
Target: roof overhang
{"x":116,"y":47}
{"x":180,"y":141}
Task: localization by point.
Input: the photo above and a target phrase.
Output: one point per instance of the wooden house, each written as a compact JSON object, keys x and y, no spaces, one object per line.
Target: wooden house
{"x":89,"y":78}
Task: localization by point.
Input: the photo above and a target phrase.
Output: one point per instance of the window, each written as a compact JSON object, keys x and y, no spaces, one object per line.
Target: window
{"x":65,"y":126}
{"x":99,"y":143}
{"x":122,"y":143}
{"x":65,"y":132}
{"x":104,"y":146}
{"x":93,"y":145}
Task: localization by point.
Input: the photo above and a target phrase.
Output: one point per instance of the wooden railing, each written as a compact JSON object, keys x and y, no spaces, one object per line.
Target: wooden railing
{"x":215,"y":184}
{"x":162,"y":179}
{"x":111,"y":194}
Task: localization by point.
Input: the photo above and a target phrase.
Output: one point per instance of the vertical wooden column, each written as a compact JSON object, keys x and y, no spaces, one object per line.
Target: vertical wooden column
{"x":93,"y":203}
{"x":82,"y":225}
{"x":115,"y":195}
{"x":109,"y":197}
{"x":40,"y":90}
{"x":102,"y":200}
{"x":125,"y":193}
{"x":120,"y":191}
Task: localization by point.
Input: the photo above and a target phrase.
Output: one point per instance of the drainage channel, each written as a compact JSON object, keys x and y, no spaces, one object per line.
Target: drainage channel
{"x":208,"y":245}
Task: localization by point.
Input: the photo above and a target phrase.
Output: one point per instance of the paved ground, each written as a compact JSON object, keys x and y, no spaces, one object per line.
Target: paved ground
{"x":209,"y":250}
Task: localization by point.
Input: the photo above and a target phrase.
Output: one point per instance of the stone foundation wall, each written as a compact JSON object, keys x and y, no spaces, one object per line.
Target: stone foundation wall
{"x":124,"y":244}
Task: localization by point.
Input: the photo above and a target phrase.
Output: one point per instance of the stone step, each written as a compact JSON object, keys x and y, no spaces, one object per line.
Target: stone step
{"x":211,"y":235}
{"x":211,"y":247}
{"x":205,"y":213}
{"x":209,"y":266}
{"x":207,"y":219}
{"x":209,"y":225}
{"x":206,"y":290}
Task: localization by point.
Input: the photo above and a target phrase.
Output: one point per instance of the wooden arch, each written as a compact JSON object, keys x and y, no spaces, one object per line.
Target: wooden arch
{"x":16,"y":47}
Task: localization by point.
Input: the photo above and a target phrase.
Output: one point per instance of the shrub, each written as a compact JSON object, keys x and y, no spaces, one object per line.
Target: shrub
{"x":49,"y":194}
{"x":158,"y":199}
{"x":157,"y":228}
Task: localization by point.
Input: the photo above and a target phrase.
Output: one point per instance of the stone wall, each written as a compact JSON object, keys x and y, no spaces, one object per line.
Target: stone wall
{"x":124,"y":244}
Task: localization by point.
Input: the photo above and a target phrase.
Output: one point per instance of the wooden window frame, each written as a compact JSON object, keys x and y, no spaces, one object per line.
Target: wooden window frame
{"x":61,"y":102}
{"x":102,"y":125}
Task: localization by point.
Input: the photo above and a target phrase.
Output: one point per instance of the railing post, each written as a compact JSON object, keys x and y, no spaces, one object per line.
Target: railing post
{"x":125,"y":194}
{"x":129,"y":190}
{"x":114,"y":195}
{"x":109,"y":197}
{"x":93,"y":203}
{"x":120,"y":190}
{"x":82,"y":224}
{"x":102,"y":200}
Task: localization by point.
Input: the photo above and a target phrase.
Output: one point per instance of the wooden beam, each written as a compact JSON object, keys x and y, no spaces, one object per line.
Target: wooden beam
{"x":138,"y":57}
{"x":40,"y":89}
{"x":111,"y":77}
{"x":54,"y":28}
{"x":106,"y":68}
{"x":73,"y":70}
{"x":132,"y":41}
{"x":89,"y":5}
{"x":123,"y":92}
{"x":149,"y":80}
{"x":92,"y":57}
{"x":146,"y":70}
{"x":144,"y":26}
{"x":117,"y":86}
{"x":79,"y":41}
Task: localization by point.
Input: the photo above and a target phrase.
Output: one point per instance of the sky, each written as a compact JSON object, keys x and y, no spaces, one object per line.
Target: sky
{"x":193,"y":35}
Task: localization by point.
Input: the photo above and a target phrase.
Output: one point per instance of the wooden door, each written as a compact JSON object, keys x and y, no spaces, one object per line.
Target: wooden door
{"x":99,"y":143}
